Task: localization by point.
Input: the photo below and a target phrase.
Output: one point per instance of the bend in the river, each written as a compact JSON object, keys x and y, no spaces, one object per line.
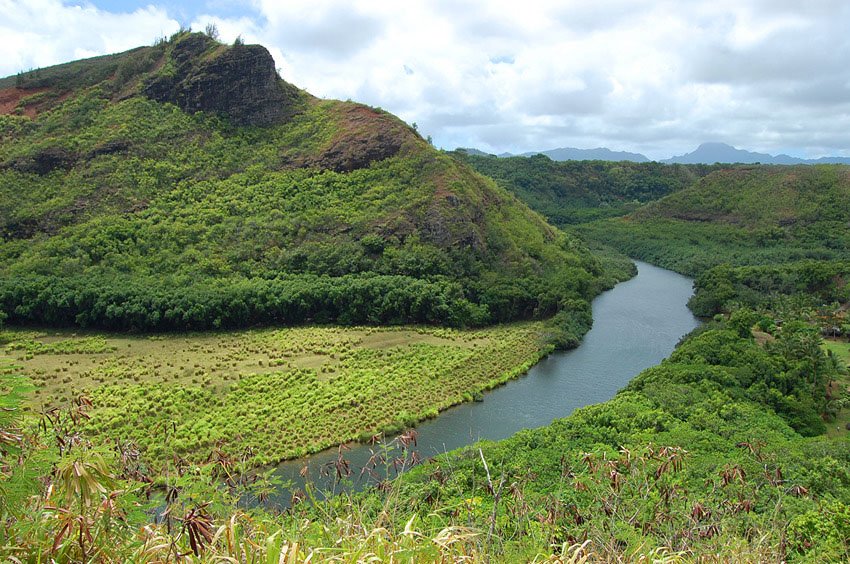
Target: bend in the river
{"x":635,"y":326}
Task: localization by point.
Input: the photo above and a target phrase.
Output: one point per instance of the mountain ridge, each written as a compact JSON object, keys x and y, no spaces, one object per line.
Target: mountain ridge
{"x":705,"y":153}
{"x":715,"y":152}
{"x":567,"y":154}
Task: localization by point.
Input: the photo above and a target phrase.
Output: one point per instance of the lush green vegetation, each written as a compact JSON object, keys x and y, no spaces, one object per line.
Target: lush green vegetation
{"x":121,"y":212}
{"x":820,"y":285}
{"x":703,"y":454}
{"x":756,"y":402}
{"x":749,"y":215}
{"x":570,"y":192}
{"x":717,"y":451}
{"x":278,"y":393}
{"x":839,"y":392}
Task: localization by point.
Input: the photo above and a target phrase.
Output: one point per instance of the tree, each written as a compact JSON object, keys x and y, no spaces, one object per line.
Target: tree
{"x":212,"y":31}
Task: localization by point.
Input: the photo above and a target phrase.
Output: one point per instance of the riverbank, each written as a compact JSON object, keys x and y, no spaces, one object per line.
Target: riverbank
{"x":636,"y":325}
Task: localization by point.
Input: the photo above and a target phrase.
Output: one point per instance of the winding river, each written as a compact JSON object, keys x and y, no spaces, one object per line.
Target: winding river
{"x":635,"y":326}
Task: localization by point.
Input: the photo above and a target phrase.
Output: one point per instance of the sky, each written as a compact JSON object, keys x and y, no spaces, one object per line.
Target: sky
{"x":654,"y":77}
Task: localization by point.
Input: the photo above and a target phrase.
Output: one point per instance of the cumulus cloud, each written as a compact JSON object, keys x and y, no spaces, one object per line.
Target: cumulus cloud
{"x":656,"y":77}
{"x":38,"y":33}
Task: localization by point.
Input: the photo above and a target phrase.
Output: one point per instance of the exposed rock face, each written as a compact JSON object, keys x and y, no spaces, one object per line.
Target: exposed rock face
{"x":239,"y":82}
{"x":47,"y":159}
{"x":354,"y":152}
{"x":43,"y":161}
{"x":448,"y":223}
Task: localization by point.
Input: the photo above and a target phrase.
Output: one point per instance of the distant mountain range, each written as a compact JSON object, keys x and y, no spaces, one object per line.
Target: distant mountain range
{"x":598,"y":154}
{"x":570,"y":154}
{"x":706,"y":153}
{"x":709,"y":153}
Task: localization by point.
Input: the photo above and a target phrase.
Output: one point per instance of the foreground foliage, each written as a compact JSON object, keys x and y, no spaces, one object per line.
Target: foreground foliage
{"x":703,"y":456}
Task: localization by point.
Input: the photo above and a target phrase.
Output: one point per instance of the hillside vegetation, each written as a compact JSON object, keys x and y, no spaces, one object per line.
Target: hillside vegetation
{"x":571,"y":192}
{"x":186,"y":186}
{"x":749,"y":215}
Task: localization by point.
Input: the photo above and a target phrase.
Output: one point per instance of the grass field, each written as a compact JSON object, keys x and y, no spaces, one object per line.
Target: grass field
{"x":841,"y":349}
{"x":268,"y":394}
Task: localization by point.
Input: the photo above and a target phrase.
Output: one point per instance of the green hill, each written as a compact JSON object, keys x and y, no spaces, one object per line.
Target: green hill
{"x":185,"y":185}
{"x":749,"y":215}
{"x":571,"y":192}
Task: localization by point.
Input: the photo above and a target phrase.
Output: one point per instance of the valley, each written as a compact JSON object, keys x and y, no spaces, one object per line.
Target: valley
{"x":228,"y":306}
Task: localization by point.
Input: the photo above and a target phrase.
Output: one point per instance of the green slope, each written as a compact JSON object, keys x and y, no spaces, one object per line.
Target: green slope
{"x":571,"y":192}
{"x":121,"y":206}
{"x":753,"y":215}
{"x":711,"y":455}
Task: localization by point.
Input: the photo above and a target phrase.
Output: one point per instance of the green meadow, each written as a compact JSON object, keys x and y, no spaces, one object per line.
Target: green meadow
{"x":274,"y":393}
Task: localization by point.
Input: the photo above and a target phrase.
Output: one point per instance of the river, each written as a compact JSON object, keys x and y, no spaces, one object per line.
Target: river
{"x":635,"y":326}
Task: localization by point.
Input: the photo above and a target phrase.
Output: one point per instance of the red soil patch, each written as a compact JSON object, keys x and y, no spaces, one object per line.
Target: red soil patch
{"x":363,"y":136}
{"x":9,"y":98}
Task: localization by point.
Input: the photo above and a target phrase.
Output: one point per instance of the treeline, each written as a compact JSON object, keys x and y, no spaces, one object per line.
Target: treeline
{"x":724,"y":288}
{"x":141,"y":304}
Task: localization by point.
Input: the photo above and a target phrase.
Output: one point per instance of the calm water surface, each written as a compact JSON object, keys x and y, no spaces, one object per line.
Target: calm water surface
{"x":635,"y":326}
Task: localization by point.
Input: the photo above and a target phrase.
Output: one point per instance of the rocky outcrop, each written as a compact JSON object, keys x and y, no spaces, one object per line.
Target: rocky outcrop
{"x":448,"y":222}
{"x":47,"y":159}
{"x":43,"y":161}
{"x":239,"y":81}
{"x":354,"y":152}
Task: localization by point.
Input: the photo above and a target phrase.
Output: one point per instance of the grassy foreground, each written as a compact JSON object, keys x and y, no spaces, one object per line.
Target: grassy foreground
{"x":273,"y":393}
{"x":704,"y":458}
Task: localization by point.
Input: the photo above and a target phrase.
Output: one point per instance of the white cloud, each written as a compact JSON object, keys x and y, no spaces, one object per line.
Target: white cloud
{"x":38,"y":33}
{"x":656,"y":77}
